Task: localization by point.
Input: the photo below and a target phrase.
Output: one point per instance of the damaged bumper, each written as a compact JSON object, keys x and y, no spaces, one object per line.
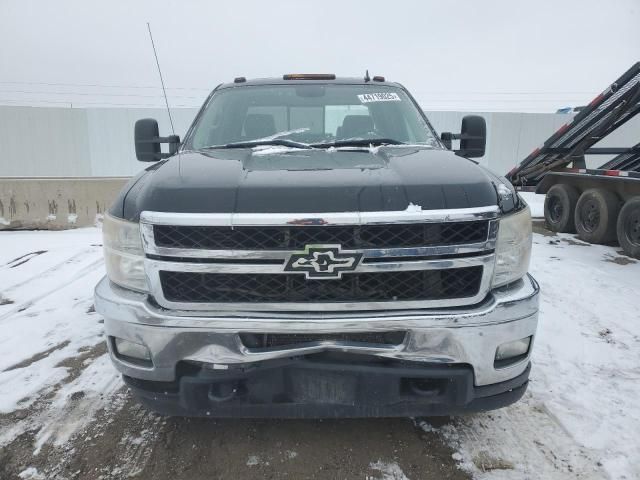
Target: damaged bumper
{"x":442,"y":362}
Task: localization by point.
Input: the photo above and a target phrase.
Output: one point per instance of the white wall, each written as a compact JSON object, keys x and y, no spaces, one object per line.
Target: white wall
{"x":36,"y":141}
{"x":110,"y":130}
{"x":44,"y":141}
{"x":510,"y":136}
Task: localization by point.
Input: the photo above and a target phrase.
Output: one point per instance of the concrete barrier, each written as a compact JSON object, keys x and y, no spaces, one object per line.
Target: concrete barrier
{"x":55,"y":203}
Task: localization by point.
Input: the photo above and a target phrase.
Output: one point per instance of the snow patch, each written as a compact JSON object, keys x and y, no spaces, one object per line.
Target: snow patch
{"x":26,"y":384}
{"x":76,"y":403}
{"x":389,"y":471}
{"x":413,"y":208}
{"x":535,"y":202}
{"x":31,"y":473}
{"x":268,"y":150}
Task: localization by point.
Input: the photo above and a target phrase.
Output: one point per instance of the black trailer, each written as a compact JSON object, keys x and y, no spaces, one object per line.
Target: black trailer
{"x":601,"y":204}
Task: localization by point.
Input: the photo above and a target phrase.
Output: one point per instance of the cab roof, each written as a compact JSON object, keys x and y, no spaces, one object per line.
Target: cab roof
{"x":304,"y":79}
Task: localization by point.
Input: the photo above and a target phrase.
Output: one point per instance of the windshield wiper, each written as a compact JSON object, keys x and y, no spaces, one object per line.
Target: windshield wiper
{"x":359,"y":142}
{"x":258,"y":143}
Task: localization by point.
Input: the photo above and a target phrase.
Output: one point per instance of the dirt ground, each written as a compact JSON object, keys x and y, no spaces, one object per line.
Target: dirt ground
{"x":131,"y":442}
{"x":65,"y":414}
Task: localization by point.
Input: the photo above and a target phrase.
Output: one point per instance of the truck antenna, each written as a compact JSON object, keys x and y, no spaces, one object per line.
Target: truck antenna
{"x":164,"y":91}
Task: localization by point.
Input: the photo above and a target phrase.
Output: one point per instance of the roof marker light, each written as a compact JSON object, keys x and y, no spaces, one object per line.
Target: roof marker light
{"x":309,"y":76}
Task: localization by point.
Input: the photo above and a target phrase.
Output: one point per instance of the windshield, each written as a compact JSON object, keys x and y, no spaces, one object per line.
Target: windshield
{"x":317,"y":115}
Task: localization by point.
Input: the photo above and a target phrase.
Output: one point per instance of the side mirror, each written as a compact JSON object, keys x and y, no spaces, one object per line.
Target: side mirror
{"x":473,"y":137}
{"x":147,"y":140}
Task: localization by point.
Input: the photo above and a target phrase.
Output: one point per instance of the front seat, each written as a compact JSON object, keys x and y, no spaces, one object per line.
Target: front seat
{"x":354,"y":126}
{"x":259,"y":125}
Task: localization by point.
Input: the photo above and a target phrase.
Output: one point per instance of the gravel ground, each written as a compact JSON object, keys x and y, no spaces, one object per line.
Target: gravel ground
{"x":133,"y":443}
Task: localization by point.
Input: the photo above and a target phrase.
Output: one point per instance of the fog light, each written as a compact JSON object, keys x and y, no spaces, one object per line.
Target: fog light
{"x":512,"y":351}
{"x":125,"y":348}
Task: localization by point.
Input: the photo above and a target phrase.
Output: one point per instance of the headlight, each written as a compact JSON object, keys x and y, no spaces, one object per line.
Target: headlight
{"x":123,"y":253}
{"x":513,"y":248}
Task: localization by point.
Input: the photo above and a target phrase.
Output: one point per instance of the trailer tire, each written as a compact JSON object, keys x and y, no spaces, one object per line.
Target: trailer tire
{"x":596,"y":214}
{"x":559,"y":208}
{"x":628,"y":227}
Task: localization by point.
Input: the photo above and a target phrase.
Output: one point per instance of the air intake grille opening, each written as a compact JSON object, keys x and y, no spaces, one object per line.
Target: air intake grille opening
{"x":283,"y":340}
{"x":297,"y":237}
{"x":194,"y":287}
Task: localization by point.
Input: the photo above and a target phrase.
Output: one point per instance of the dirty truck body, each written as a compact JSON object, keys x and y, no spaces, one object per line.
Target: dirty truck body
{"x":312,"y":249}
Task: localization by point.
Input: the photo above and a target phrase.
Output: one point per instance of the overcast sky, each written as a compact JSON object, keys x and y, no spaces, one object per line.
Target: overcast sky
{"x":493,"y":55}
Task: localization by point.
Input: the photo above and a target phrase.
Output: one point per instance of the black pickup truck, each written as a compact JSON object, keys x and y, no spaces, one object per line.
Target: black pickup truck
{"x":312,"y":248}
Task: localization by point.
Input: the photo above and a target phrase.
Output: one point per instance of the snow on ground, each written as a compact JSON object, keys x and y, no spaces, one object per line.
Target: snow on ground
{"x":52,"y":356}
{"x":579,"y":419}
{"x":536,"y":203}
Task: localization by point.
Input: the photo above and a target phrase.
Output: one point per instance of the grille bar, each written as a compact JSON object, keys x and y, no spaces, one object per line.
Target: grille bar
{"x":195,"y":287}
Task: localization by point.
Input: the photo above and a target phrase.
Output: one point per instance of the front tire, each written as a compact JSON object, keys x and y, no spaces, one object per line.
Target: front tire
{"x":559,"y":208}
{"x":628,"y":227}
{"x":595,"y":216}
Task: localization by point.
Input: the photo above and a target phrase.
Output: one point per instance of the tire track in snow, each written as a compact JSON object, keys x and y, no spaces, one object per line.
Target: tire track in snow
{"x":22,"y":259}
{"x":90,"y":268}
{"x":48,"y":272}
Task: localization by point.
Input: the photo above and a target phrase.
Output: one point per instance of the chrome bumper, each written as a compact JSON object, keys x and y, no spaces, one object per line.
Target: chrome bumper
{"x":468,"y":335}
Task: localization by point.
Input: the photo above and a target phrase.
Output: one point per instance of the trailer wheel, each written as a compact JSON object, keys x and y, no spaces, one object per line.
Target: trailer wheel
{"x":629,"y":227}
{"x":559,"y":208}
{"x":596,"y":213}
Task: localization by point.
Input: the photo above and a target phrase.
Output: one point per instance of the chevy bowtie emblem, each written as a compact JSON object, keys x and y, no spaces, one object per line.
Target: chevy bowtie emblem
{"x":323,"y":261}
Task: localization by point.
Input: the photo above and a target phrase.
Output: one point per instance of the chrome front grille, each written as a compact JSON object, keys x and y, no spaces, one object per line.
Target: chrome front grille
{"x":393,"y":235}
{"x":405,"y":260}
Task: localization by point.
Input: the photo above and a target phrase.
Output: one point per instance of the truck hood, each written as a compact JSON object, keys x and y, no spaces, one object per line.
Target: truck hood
{"x":277,"y":180}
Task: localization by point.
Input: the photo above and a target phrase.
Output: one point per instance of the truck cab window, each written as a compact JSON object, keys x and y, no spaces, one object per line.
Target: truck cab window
{"x":311,"y":114}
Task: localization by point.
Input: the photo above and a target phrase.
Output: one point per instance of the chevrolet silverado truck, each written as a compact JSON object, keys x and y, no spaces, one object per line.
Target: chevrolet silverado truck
{"x":312,"y":248}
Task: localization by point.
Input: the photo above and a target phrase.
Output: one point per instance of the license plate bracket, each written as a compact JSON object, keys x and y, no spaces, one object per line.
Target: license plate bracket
{"x":314,"y":386}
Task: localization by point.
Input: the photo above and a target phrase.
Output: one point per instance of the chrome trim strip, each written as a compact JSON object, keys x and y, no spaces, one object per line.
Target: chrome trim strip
{"x":410,"y":215}
{"x":153,"y":267}
{"x":240,"y":255}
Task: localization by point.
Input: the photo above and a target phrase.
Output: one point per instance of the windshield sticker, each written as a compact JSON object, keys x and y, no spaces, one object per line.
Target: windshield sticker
{"x":379,"y":97}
